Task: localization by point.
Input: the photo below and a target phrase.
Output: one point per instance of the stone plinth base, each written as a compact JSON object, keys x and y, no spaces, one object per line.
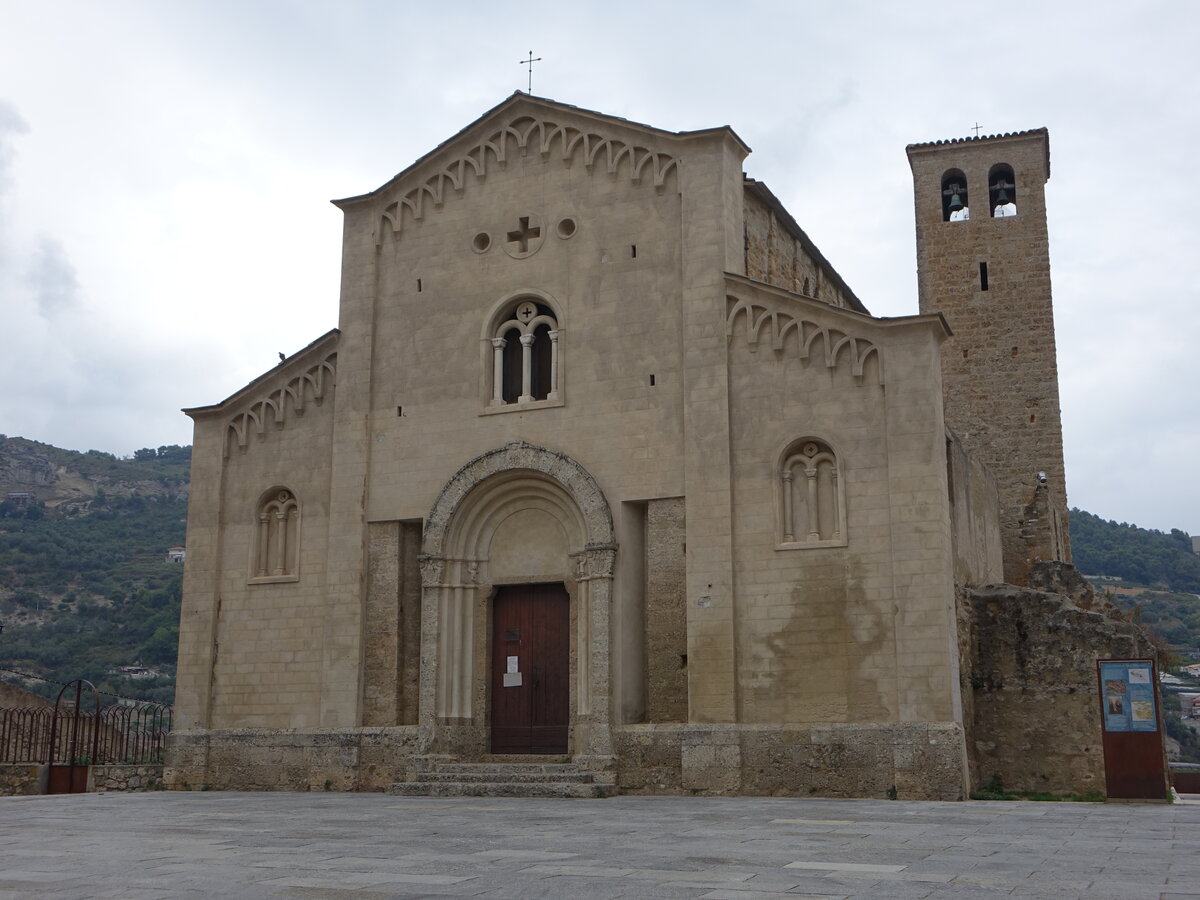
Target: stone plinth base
{"x":906,"y":761}
{"x":358,"y":759}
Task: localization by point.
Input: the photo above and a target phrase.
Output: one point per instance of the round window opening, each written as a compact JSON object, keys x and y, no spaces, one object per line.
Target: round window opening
{"x":566,"y":228}
{"x":481,"y":242}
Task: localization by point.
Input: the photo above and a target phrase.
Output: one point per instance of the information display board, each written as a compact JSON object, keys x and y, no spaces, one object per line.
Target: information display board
{"x":1135,"y":761}
{"x":1127,"y":689}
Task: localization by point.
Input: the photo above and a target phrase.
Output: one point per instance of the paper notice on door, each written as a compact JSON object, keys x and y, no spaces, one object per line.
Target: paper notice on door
{"x":512,"y":679}
{"x":513,"y":667}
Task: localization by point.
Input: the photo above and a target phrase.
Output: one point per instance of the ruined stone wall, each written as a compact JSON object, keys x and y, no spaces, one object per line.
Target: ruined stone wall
{"x":20,"y":779}
{"x":126,"y":778}
{"x":778,"y":255}
{"x":999,"y":369}
{"x":666,"y":612}
{"x":974,"y":517}
{"x":392,"y":632}
{"x":1031,"y":705}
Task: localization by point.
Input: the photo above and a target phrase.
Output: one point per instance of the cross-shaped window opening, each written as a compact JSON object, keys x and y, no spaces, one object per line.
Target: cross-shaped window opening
{"x":524,"y":234}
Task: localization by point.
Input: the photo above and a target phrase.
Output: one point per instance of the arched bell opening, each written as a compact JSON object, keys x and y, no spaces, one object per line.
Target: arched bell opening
{"x":1002,"y":191}
{"x":955,"y":202}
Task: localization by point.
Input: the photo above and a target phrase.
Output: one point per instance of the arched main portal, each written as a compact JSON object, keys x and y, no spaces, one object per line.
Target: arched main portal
{"x":520,"y":514}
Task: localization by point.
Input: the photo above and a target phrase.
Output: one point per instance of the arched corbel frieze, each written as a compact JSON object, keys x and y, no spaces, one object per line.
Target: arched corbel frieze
{"x":813,"y":341}
{"x":279,"y":405}
{"x":524,"y":135}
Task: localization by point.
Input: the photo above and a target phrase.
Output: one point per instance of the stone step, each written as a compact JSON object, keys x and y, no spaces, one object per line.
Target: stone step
{"x":499,"y":789}
{"x":488,"y":775}
{"x":515,"y":768}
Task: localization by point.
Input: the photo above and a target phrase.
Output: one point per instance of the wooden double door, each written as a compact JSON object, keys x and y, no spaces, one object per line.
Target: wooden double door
{"x":530,"y":669}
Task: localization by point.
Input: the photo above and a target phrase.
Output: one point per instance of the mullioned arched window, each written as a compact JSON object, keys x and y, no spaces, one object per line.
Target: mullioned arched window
{"x":525,"y":359}
{"x":812,"y":494}
{"x":277,"y":537}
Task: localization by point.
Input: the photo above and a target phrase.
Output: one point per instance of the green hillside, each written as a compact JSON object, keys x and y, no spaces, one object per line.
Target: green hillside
{"x":85,"y":586}
{"x":1136,"y":555}
{"x":1153,"y":575}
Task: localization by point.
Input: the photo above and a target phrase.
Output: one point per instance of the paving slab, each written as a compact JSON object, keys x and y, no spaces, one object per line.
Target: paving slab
{"x":369,"y":846}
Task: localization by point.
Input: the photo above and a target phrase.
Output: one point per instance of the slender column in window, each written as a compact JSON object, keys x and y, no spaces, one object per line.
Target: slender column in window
{"x":526,"y":368}
{"x":553,"y":395}
{"x":837,"y":513}
{"x":498,"y":370}
{"x":264,"y":533}
{"x":814,"y":515}
{"x":789,"y":530}
{"x":281,"y":527}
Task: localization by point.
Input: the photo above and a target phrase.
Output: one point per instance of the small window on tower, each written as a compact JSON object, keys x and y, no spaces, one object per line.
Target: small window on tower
{"x":955,"y":206}
{"x":1002,"y":191}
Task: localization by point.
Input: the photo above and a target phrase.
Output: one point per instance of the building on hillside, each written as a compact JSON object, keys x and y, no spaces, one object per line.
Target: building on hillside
{"x":606,"y":461}
{"x":176,"y":554}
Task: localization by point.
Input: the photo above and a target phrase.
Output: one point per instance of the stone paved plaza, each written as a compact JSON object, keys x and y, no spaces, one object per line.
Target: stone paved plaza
{"x":367,"y":846}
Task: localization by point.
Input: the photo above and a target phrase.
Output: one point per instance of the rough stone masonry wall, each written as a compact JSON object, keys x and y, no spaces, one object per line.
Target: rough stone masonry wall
{"x":392,"y":632}
{"x":20,"y":779}
{"x":778,"y":257}
{"x":126,"y":778}
{"x":1029,"y":682}
{"x":666,"y":612}
{"x":25,"y":779}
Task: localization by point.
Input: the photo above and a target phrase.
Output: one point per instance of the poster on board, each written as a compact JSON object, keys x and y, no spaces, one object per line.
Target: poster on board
{"x":1127,"y":695}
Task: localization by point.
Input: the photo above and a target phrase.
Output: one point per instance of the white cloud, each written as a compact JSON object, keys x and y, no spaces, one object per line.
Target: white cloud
{"x":164,"y":170}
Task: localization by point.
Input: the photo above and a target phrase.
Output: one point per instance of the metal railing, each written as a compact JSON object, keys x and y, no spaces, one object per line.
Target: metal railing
{"x":67,"y":734}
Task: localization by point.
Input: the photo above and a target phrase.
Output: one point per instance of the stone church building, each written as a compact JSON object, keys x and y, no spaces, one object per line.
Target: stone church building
{"x":606,"y":469}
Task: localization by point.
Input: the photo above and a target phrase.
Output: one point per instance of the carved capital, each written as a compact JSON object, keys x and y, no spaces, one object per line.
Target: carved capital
{"x":432,"y":570}
{"x":499,"y":343}
{"x":599,"y":560}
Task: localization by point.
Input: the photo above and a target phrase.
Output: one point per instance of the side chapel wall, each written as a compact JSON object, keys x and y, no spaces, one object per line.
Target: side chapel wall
{"x":862,"y":631}
{"x":250,"y":649}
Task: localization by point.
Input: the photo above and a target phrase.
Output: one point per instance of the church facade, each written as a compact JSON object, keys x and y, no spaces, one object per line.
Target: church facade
{"x":606,"y":464}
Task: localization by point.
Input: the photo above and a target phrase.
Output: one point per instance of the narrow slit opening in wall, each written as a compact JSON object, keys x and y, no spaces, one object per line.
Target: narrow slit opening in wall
{"x":983,"y":276}
{"x":633,"y":251}
{"x":418,"y":285}
{"x":651,"y":381}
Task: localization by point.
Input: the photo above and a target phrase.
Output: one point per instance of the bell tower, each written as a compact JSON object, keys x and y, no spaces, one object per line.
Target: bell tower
{"x":983,"y":262}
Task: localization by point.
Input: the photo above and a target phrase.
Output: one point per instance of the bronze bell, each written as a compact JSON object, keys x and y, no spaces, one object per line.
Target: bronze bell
{"x":956,"y":203}
{"x":1002,"y":198}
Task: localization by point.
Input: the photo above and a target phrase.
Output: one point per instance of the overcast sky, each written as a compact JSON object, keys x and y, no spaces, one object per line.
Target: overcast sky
{"x":165,"y":170}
